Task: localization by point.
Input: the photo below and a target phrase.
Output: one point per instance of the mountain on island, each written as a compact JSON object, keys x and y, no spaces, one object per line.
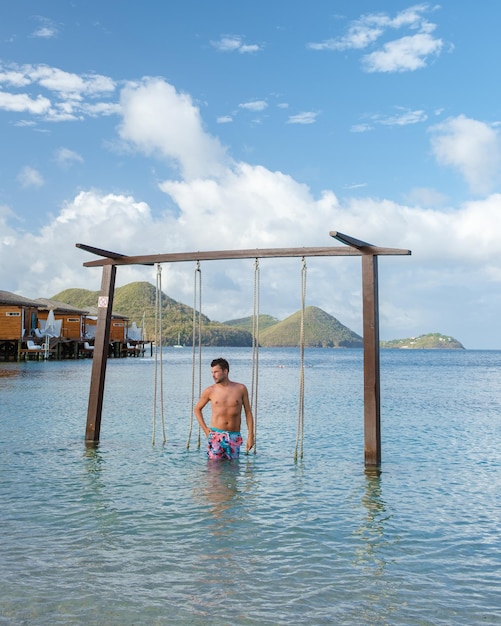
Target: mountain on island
{"x":321,"y":330}
{"x":247,"y":323}
{"x":136,"y":301}
{"x":431,"y":341}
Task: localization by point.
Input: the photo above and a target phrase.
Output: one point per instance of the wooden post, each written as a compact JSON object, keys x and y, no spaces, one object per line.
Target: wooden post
{"x":101,"y":345}
{"x":372,"y":407}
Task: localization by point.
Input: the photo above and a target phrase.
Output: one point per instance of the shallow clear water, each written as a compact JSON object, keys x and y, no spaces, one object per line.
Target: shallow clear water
{"x":134,"y":533}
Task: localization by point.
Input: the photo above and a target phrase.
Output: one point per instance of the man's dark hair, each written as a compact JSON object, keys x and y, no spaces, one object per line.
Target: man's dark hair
{"x":223,"y":364}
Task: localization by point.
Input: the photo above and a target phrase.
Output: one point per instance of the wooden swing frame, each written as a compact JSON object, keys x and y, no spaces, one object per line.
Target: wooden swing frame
{"x":370,"y":302}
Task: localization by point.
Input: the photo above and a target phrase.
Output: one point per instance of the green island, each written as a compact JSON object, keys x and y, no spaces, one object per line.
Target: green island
{"x":430,"y":341}
{"x":137,"y":300}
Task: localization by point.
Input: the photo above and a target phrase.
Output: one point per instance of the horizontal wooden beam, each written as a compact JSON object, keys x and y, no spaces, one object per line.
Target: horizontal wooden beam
{"x":257,"y":253}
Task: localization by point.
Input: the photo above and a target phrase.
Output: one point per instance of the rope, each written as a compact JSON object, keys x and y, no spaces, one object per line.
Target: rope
{"x":196,"y":331}
{"x":158,"y":393}
{"x":300,"y":412}
{"x":255,"y":350}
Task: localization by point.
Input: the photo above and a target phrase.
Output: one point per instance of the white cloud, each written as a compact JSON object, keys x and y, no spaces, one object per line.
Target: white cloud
{"x":470,"y":146}
{"x":159,"y":120}
{"x":100,"y":109}
{"x":30,"y":177}
{"x":224,"y":119}
{"x":368,"y":28}
{"x":404,"y":117}
{"x":227,"y":44}
{"x":246,"y":48}
{"x":46,"y":30}
{"x":21,"y":103}
{"x":361,"y":128}
{"x":403,"y":55}
{"x":66,"y":157}
{"x":235,"y":43}
{"x":270,"y":205}
{"x":355,"y":185}
{"x":72,"y":96}
{"x":407,"y":53}
{"x":13,"y":77}
{"x":25,"y":123}
{"x":67,"y":83}
{"x":254,"y":105}
{"x":359,"y":34}
{"x":306,"y":117}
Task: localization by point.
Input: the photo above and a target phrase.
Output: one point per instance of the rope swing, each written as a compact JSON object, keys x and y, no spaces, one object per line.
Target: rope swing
{"x":255,"y":349}
{"x":158,"y":393}
{"x":196,"y":335}
{"x":300,"y":412}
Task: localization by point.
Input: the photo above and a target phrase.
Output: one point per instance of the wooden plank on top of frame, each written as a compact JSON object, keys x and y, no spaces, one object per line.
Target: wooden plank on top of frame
{"x":257,"y":253}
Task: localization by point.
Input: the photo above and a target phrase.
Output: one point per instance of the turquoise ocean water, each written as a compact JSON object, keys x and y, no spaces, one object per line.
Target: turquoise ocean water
{"x":131,"y":533}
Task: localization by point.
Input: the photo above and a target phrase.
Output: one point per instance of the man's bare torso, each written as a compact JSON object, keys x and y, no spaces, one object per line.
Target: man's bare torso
{"x":226,"y":405}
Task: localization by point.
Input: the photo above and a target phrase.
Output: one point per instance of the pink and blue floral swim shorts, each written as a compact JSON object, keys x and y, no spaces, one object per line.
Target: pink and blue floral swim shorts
{"x":223,"y":444}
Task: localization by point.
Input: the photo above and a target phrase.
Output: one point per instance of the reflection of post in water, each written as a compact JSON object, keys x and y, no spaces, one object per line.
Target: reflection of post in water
{"x":93,"y":465}
{"x":93,"y":459}
{"x":373,"y":544}
{"x":371,"y":531}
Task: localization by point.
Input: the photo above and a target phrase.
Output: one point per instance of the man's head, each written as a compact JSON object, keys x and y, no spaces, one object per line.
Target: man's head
{"x":223,"y":364}
{"x":220,"y":369}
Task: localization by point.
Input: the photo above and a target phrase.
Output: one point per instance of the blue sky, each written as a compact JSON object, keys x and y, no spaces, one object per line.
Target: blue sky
{"x":163,"y":127}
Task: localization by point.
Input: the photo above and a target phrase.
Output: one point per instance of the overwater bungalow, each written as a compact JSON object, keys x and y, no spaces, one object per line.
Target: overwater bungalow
{"x":71,"y":318}
{"x":18,"y":317}
{"x":118,"y":328}
{"x":121,"y":342}
{"x":66,"y":334}
{"x":45,"y":328}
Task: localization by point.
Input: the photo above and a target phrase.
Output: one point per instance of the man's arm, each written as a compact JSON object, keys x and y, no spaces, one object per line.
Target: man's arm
{"x":249,"y":419}
{"x":202,"y":402}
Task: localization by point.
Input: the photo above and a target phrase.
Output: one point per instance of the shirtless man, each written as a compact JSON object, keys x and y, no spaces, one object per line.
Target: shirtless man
{"x":227,"y":400}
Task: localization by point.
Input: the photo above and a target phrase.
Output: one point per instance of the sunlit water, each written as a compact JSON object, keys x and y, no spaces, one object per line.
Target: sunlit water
{"x":132,"y":533}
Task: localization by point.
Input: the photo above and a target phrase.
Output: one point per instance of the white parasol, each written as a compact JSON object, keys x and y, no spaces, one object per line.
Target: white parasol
{"x":52,"y":328}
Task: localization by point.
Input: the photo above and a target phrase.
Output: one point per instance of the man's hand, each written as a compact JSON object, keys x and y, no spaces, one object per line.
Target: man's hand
{"x":250,"y":442}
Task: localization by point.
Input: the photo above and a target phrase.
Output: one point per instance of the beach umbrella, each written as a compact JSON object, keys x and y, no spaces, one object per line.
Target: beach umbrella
{"x":51,"y":329}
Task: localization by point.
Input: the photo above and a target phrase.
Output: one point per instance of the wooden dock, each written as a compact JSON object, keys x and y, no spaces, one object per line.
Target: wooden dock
{"x":20,"y":350}
{"x":44,"y":329}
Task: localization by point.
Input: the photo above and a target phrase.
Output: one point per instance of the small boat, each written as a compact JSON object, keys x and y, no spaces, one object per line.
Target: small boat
{"x":178,"y":344}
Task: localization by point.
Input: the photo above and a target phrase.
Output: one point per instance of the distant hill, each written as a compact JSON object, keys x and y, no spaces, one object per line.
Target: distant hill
{"x":246,"y":323}
{"x":321,"y":330}
{"x":431,"y":341}
{"x":137,"y":302}
{"x":80,"y":298}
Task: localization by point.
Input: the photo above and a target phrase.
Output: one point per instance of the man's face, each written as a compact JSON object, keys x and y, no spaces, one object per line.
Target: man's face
{"x":218,"y":374}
